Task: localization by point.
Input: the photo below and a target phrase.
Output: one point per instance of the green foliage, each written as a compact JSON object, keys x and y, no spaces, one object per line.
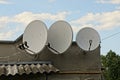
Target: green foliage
{"x":111,"y":63}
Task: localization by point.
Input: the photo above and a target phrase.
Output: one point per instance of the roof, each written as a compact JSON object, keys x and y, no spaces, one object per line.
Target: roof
{"x":26,"y":68}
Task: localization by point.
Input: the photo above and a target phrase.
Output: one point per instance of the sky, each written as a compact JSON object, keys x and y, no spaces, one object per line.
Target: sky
{"x":102,"y":15}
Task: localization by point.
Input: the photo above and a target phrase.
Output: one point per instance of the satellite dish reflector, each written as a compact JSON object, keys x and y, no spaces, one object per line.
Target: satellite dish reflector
{"x":60,"y":37}
{"x":88,"y":39}
{"x":35,"y":36}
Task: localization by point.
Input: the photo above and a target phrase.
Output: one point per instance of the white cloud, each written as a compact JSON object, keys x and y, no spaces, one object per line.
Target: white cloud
{"x":26,"y":17}
{"x":23,"y":19}
{"x":100,"y":21}
{"x":4,"y":2}
{"x":3,"y":21}
{"x":109,"y":1}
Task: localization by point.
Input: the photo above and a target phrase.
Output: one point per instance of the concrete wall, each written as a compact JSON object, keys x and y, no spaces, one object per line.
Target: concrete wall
{"x":73,"y":64}
{"x":9,"y":52}
{"x":73,"y":59}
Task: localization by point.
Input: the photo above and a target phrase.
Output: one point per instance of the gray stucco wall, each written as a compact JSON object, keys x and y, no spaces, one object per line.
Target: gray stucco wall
{"x":73,"y":59}
{"x":73,"y":64}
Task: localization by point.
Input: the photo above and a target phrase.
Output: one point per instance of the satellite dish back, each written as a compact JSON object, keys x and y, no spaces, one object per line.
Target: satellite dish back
{"x":60,"y":37}
{"x":35,"y":36}
{"x":88,"y":39}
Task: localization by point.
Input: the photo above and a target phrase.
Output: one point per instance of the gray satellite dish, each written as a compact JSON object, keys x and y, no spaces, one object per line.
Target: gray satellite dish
{"x":88,"y":39}
{"x":35,"y":36}
{"x":60,"y":37}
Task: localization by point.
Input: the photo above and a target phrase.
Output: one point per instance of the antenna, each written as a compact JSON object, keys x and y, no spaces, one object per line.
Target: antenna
{"x":60,"y":36}
{"x":34,"y":37}
{"x":88,"y":39}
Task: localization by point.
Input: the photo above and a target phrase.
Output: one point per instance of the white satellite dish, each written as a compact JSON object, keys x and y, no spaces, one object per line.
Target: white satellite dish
{"x":35,"y":36}
{"x":88,"y":39}
{"x":60,"y":37}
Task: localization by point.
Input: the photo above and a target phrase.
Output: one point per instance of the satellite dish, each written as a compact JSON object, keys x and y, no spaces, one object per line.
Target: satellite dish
{"x":35,"y":37}
{"x":88,"y":39}
{"x":60,"y":36}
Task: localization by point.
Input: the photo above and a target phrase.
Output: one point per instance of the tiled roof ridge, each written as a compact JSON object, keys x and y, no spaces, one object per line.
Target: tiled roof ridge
{"x":13,"y":69}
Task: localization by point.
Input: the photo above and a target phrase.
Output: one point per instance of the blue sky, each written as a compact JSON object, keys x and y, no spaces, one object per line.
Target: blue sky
{"x":102,"y":15}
